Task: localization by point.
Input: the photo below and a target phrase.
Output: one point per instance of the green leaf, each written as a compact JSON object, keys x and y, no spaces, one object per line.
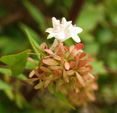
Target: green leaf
{"x":35,"y":13}
{"x":61,"y":97}
{"x":9,"y":93}
{"x":4,"y":86}
{"x":40,"y":85}
{"x":32,"y":40}
{"x":20,"y":100}
{"x":39,"y":51}
{"x":33,"y":34}
{"x":16,"y":62}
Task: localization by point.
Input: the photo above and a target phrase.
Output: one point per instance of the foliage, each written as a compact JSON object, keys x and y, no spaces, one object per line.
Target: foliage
{"x":98,"y":20}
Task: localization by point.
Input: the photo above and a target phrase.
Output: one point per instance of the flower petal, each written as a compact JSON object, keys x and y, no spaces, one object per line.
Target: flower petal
{"x":55,"y":43}
{"x":46,"y":83}
{"x":80,"y":79}
{"x":75,"y":37}
{"x":56,"y":24}
{"x":63,"y":20}
{"x":79,"y":46}
{"x":32,"y":61}
{"x":59,"y":36}
{"x":70,"y":72}
{"x":49,"y":51}
{"x":40,"y":85}
{"x":50,"y":61}
{"x":45,"y":69}
{"x":32,"y":79}
{"x":78,"y":30}
{"x":49,"y":30}
{"x":31,"y":73}
{"x":50,"y":35}
{"x":67,"y":66}
{"x":82,"y":55}
{"x":72,"y":64}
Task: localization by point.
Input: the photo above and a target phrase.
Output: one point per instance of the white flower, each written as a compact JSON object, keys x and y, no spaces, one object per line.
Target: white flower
{"x":64,"y":30}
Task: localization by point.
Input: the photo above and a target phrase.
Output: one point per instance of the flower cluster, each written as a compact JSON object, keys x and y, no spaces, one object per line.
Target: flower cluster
{"x":65,"y":67}
{"x":62,"y":31}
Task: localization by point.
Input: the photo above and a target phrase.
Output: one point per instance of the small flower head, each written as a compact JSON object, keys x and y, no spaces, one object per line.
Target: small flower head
{"x":64,"y":30}
{"x":64,"y":67}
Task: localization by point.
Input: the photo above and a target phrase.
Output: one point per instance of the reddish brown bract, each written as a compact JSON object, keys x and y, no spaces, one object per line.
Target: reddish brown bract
{"x":68,"y":70}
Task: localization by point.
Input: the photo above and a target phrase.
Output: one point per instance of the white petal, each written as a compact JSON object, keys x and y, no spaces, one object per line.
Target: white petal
{"x":49,"y":30}
{"x":60,"y":36}
{"x":50,"y":35}
{"x":78,"y":30}
{"x":75,"y":37}
{"x":56,"y":24}
{"x":55,"y":43}
{"x":63,"y":20}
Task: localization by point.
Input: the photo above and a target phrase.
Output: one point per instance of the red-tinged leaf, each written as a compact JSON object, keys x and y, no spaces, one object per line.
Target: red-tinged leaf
{"x":45,"y":69}
{"x":66,"y":78}
{"x":71,"y":48}
{"x":79,"y":46}
{"x":89,"y":66}
{"x":32,"y":61}
{"x":43,"y":46}
{"x":73,"y":54}
{"x":94,"y":86}
{"x":70,"y":72}
{"x":40,"y":85}
{"x":57,"y":57}
{"x":80,"y":79}
{"x":46,"y":83}
{"x":31,"y":73}
{"x":49,"y":51}
{"x":83,"y":63}
{"x":72,"y":64}
{"x":90,"y":95}
{"x":62,"y":49}
{"x":43,"y":74}
{"x":82,"y":55}
{"x":50,"y":78}
{"x":66,"y":48}
{"x":32,"y":79}
{"x":37,"y":73}
{"x":49,"y":61}
{"x":40,"y":51}
{"x":90,"y":75}
{"x":58,"y":72}
{"x":76,"y":61}
{"x":83,"y":69}
{"x":76,"y":89}
{"x":67,"y":66}
{"x":62,"y":61}
{"x":55,"y":67}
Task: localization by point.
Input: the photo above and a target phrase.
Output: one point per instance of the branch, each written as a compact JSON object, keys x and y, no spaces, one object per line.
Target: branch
{"x":75,"y":10}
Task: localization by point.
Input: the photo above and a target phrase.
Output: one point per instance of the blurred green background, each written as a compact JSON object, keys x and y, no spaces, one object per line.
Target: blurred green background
{"x":98,"y":18}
